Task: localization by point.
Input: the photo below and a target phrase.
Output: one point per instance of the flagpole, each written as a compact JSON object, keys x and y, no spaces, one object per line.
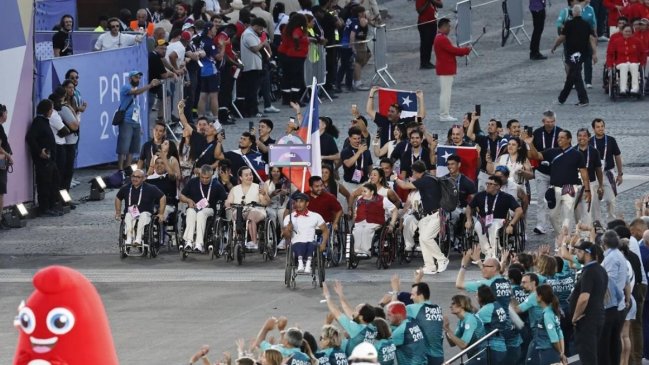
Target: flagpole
{"x":308,"y":135}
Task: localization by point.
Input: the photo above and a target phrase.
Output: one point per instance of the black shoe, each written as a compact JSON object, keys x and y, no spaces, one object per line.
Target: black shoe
{"x":50,"y":213}
{"x":428,"y":66}
{"x":582,"y":103}
{"x":538,"y":57}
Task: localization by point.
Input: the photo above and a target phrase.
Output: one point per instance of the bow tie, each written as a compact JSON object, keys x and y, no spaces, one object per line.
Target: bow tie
{"x":304,"y":213}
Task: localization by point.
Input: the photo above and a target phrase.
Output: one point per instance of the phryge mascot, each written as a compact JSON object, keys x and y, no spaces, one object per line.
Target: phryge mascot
{"x":63,"y":322}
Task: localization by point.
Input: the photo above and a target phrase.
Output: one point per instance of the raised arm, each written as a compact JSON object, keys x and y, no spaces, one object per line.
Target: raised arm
{"x":338,"y":288}
{"x":369,"y":106}
{"x":421,"y":106}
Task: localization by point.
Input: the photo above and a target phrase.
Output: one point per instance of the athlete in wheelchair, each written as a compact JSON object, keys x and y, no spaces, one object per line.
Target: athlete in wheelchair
{"x":453,"y":234}
{"x":370,"y":231}
{"x":279,"y":189}
{"x":329,"y":208}
{"x":202,"y":195}
{"x":304,"y":255}
{"x":625,"y":56}
{"x":167,"y":183}
{"x":491,"y":208}
{"x":517,"y":239}
{"x":247,"y":214}
{"x":136,"y":218}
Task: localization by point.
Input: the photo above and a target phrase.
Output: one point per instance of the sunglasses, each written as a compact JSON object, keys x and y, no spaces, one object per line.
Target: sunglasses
{"x":114,"y":26}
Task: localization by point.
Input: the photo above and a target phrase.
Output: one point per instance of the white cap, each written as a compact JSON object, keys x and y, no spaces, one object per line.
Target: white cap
{"x":364,"y":351}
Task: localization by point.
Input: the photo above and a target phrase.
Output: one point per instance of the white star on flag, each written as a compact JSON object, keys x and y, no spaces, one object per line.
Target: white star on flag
{"x":446,"y":155}
{"x":406,"y":101}
{"x":259,"y":160}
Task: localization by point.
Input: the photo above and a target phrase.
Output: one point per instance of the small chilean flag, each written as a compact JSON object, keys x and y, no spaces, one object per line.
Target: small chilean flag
{"x":309,"y":133}
{"x":469,"y":158}
{"x":407,"y":100}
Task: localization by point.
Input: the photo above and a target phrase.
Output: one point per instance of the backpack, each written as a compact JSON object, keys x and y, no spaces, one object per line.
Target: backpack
{"x":449,"y":191}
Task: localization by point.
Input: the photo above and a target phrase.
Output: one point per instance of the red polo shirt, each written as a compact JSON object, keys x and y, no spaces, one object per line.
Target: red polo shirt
{"x":326,"y":205}
{"x":445,"y":53}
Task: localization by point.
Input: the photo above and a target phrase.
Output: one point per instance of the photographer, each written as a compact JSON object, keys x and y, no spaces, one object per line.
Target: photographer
{"x":5,"y":160}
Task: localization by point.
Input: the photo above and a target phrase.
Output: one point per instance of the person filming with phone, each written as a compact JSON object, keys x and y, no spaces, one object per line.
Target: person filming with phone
{"x":357,"y":161}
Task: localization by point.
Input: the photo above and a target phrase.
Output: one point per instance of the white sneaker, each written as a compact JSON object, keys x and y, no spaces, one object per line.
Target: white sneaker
{"x":300,"y":265}
{"x":540,"y":230}
{"x":271,"y":109}
{"x":189,"y":245}
{"x":251,"y":245}
{"x":589,"y":86}
{"x":441,"y":265}
{"x":307,"y":267}
{"x":447,"y":118}
{"x":128,"y":241}
{"x":623,"y":91}
{"x":635,"y":91}
{"x":281,"y":245}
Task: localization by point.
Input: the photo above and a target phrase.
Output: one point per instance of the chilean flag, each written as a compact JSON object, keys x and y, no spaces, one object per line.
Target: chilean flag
{"x":407,"y":100}
{"x":309,"y":133}
{"x":468,"y":155}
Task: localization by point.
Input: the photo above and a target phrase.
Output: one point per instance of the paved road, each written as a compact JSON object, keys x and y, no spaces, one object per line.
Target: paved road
{"x":161,"y":310}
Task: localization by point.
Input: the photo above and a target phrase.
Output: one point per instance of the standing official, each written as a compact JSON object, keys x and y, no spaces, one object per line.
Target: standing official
{"x":427,"y":26}
{"x":445,"y":53}
{"x":584,"y":209}
{"x":611,"y":157}
{"x":544,"y":138}
{"x":537,"y":8}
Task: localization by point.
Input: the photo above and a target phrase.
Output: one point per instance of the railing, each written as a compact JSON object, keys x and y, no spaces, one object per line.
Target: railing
{"x":469,"y":348}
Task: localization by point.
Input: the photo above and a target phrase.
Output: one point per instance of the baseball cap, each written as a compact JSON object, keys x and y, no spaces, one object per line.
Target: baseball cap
{"x":186,"y":36}
{"x":299,"y":195}
{"x":584,"y":246}
{"x":134,"y":73}
{"x":364,"y":351}
{"x":187,"y":26}
{"x":161,"y":42}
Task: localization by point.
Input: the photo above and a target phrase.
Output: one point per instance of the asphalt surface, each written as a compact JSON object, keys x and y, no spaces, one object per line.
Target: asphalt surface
{"x":162,"y":310}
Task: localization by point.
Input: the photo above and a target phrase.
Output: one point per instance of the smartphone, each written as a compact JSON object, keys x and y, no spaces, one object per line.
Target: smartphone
{"x":292,"y":120}
{"x":529,"y":130}
{"x":478,"y":109}
{"x":435,"y":136}
{"x":251,"y":126}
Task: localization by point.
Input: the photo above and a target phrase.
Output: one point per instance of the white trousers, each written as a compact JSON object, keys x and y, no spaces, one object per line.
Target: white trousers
{"x":625,"y":69}
{"x":562,"y":214}
{"x":144,"y":219}
{"x":582,"y":214}
{"x":542,"y":184}
{"x":488,"y":243}
{"x":363,"y":233}
{"x":428,"y":230}
{"x":482,"y":180}
{"x":446,"y":88}
{"x":609,"y":199}
{"x":195,"y":222}
{"x":409,"y":228}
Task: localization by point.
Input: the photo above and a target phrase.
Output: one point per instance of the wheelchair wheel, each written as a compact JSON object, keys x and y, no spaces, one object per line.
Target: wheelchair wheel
{"x":519,"y":236}
{"x":238,"y":253}
{"x":288,"y":269}
{"x":120,"y":244}
{"x":385,"y":256}
{"x":225,"y":245}
{"x":612,"y":84}
{"x":153,"y":235}
{"x":502,"y":243}
{"x":271,"y":241}
{"x":352,"y":261}
{"x":320,"y":268}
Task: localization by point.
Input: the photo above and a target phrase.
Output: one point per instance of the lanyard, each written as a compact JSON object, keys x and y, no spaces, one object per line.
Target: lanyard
{"x":209,"y":190}
{"x":554,"y":134}
{"x":206,"y":149}
{"x":493,"y":206}
{"x":603,"y":156}
{"x":362,"y":162}
{"x":587,"y":157}
{"x":489,"y":148}
{"x":562,"y":153}
{"x":139,"y":200}
{"x":412,"y":156}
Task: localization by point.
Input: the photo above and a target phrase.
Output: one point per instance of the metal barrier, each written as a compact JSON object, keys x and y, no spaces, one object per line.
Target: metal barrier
{"x":381,"y":56}
{"x":315,"y":66}
{"x":463,"y":29}
{"x":516,"y":23}
{"x":469,"y":348}
{"x":172,"y":92}
{"x":83,"y":42}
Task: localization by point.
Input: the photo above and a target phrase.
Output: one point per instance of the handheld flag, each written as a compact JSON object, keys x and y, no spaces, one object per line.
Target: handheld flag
{"x":469,"y":158}
{"x":407,"y":100}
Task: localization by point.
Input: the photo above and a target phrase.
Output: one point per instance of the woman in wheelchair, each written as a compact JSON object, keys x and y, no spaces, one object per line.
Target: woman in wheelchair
{"x":492,"y":206}
{"x":167,"y":183}
{"x":369,"y":215}
{"x":140,"y":199}
{"x":377,"y":178}
{"x":201,"y":194}
{"x":279,"y":187}
{"x":255,"y":195}
{"x":300,"y":228}
{"x":626,"y":54}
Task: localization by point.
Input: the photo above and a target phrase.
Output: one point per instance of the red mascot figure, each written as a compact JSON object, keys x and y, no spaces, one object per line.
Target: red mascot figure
{"x":63,"y":322}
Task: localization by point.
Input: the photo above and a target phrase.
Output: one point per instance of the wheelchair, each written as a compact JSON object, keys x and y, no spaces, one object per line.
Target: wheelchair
{"x":384,"y":247}
{"x":213,"y":240}
{"x":237,"y":229}
{"x":317,"y":266}
{"x":172,"y":229}
{"x":612,"y":87}
{"x":505,"y":242}
{"x":334,"y":253}
{"x":150,"y":239}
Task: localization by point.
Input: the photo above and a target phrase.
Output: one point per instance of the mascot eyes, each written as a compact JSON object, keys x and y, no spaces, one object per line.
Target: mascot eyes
{"x":27,"y":320}
{"x":60,"y":321}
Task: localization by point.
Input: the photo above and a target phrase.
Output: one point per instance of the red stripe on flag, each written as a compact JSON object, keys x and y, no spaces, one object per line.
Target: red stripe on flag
{"x":386,"y":98}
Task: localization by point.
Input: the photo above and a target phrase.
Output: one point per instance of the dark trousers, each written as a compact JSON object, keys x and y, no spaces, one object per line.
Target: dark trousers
{"x":610,"y":344}
{"x":427,"y":34}
{"x":587,"y":333}
{"x":601,"y":15}
{"x":332,"y":63}
{"x":573,"y":78}
{"x":346,"y":68}
{"x":265,"y":86}
{"x":639,"y":294}
{"x":47,"y":184}
{"x":68,"y":170}
{"x":248,"y":87}
{"x":61,"y":161}
{"x":568,"y":339}
{"x":225,"y":89}
{"x":588,"y":66}
{"x":538,"y":22}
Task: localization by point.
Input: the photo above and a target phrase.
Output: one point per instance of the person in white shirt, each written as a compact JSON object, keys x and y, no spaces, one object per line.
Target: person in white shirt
{"x":300,"y":228}
{"x":114,"y":39}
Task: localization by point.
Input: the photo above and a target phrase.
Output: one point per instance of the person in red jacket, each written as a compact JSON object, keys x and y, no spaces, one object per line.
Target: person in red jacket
{"x":369,"y":215}
{"x":635,"y":9}
{"x":641,"y":31}
{"x":427,"y":26}
{"x":293,"y":50}
{"x":626,"y":54}
{"x":445,"y":53}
